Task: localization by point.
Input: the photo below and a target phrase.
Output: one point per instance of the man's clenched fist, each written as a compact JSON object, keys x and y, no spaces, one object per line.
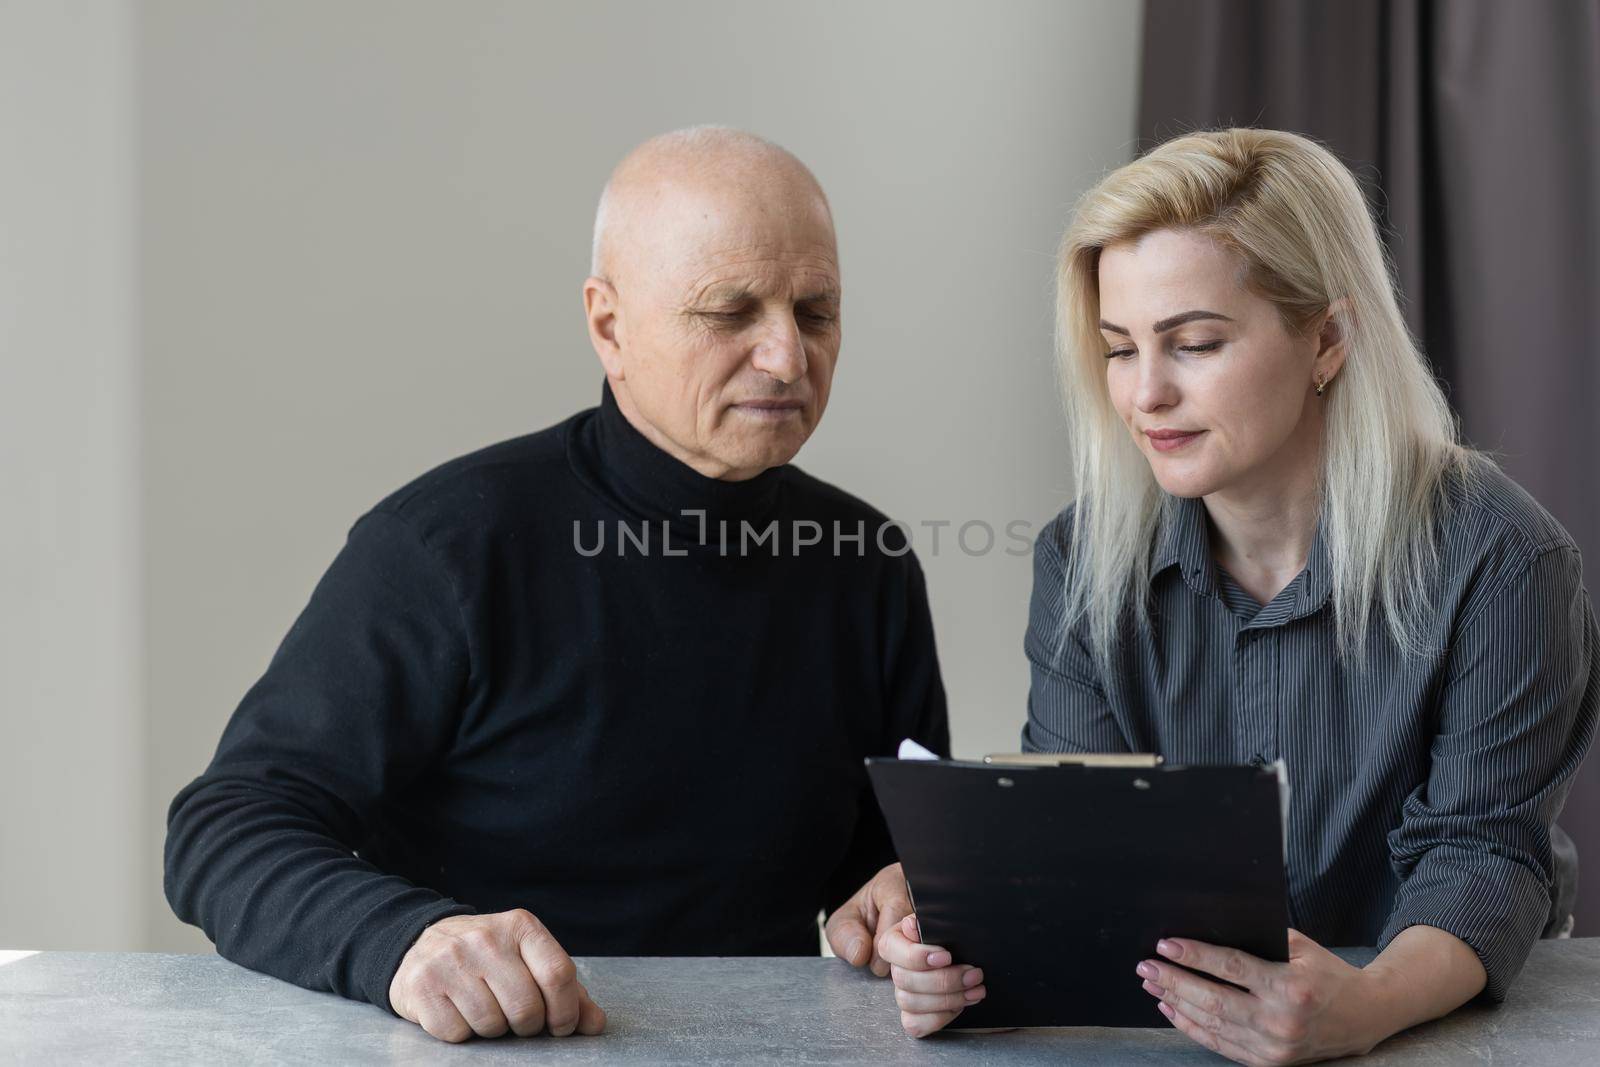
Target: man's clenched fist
{"x":486,"y":974}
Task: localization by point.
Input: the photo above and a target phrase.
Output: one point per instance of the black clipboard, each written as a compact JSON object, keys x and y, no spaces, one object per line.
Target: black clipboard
{"x":1058,"y":880}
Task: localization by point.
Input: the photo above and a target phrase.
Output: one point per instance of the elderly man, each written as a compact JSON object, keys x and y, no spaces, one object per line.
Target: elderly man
{"x":604,"y":689}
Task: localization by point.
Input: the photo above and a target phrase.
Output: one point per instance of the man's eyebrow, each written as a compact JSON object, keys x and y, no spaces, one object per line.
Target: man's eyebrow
{"x":1171,"y":322}
{"x":722,"y":295}
{"x":726,"y":295}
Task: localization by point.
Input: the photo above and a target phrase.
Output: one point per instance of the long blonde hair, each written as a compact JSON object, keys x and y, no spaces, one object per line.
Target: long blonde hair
{"x":1297,"y":219}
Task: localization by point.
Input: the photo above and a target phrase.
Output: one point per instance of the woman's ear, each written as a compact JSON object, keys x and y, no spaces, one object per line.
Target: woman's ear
{"x":1332,"y":337}
{"x":604,"y":312}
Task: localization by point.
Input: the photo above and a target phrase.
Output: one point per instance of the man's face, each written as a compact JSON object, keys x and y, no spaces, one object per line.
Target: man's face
{"x":728,"y":328}
{"x":1216,"y":398}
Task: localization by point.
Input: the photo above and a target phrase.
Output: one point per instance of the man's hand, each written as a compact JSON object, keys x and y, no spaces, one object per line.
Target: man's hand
{"x":486,"y":974}
{"x":853,"y":930}
{"x":1314,"y":1007}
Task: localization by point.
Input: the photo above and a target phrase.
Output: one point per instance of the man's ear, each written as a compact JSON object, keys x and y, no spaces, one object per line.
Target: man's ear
{"x":1332,"y":340}
{"x":604,"y":312}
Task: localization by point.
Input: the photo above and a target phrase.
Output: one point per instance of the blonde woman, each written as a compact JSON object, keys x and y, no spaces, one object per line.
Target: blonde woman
{"x":1279,"y":549}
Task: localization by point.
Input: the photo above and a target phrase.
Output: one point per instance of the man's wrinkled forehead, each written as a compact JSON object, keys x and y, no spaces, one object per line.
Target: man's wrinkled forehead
{"x":733,"y":273}
{"x":705,"y":244}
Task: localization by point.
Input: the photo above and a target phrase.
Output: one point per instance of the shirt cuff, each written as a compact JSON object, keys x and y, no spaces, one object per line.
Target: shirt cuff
{"x":1494,"y":904}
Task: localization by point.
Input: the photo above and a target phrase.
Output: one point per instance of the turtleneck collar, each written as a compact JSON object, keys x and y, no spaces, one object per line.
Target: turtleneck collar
{"x":621,"y":464}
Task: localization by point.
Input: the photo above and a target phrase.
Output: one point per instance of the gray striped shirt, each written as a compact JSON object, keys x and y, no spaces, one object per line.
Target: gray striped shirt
{"x":1424,"y":788}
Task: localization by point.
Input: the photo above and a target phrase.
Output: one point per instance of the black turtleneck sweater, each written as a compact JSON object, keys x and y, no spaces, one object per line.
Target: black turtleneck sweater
{"x":656,"y":754}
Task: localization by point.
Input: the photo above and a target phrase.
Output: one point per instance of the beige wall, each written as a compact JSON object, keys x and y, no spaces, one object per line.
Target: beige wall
{"x":362,"y":229}
{"x":75,"y":864}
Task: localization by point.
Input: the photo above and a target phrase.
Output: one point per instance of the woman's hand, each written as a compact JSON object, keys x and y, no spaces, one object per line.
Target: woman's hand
{"x":1314,"y":1007}
{"x":930,"y":987}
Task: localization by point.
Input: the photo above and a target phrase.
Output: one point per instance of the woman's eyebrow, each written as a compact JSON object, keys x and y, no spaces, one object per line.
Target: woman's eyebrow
{"x":1188,"y":316}
{"x":1170,"y":322}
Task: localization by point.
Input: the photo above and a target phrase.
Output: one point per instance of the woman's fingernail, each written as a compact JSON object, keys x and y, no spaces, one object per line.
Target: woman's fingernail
{"x":855,"y":946}
{"x":1164,"y":1009}
{"x":1154,"y":990}
{"x":972,"y":996}
{"x":1148,"y":970}
{"x":1170,"y":949}
{"x":939,"y":959}
{"x":972,"y":978}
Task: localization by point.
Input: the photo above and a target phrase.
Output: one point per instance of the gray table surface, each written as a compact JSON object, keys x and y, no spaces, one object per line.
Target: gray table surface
{"x":92,"y":1007}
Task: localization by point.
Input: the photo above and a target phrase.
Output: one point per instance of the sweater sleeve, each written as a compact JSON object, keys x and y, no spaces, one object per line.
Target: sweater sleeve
{"x":263,"y":849}
{"x":1516,"y":714}
{"x":915,"y":708}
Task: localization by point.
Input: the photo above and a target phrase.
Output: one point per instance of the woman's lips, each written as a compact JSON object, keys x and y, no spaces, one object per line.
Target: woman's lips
{"x":1171,"y":440}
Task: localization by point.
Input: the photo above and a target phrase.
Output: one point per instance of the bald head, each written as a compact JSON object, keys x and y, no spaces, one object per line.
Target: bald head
{"x":671,"y":178}
{"x":714,"y":300}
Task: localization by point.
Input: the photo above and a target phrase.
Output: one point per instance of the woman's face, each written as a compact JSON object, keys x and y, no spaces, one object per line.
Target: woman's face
{"x":1215,"y":390}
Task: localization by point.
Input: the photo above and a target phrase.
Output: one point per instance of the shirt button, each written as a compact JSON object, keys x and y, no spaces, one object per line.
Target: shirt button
{"x":1258,"y":760}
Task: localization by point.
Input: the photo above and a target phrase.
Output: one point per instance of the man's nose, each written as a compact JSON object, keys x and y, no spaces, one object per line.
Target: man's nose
{"x":780,"y":351}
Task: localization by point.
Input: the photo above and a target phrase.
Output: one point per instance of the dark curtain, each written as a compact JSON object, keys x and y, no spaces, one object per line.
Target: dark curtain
{"x":1476,"y":126}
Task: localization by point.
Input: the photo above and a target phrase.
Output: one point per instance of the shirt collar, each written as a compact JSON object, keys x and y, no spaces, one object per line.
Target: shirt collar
{"x":1316,"y":581}
{"x":1183,"y":540}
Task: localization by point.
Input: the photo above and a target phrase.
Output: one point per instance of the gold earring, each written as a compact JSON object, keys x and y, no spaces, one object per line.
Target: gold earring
{"x":1322,"y":383}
